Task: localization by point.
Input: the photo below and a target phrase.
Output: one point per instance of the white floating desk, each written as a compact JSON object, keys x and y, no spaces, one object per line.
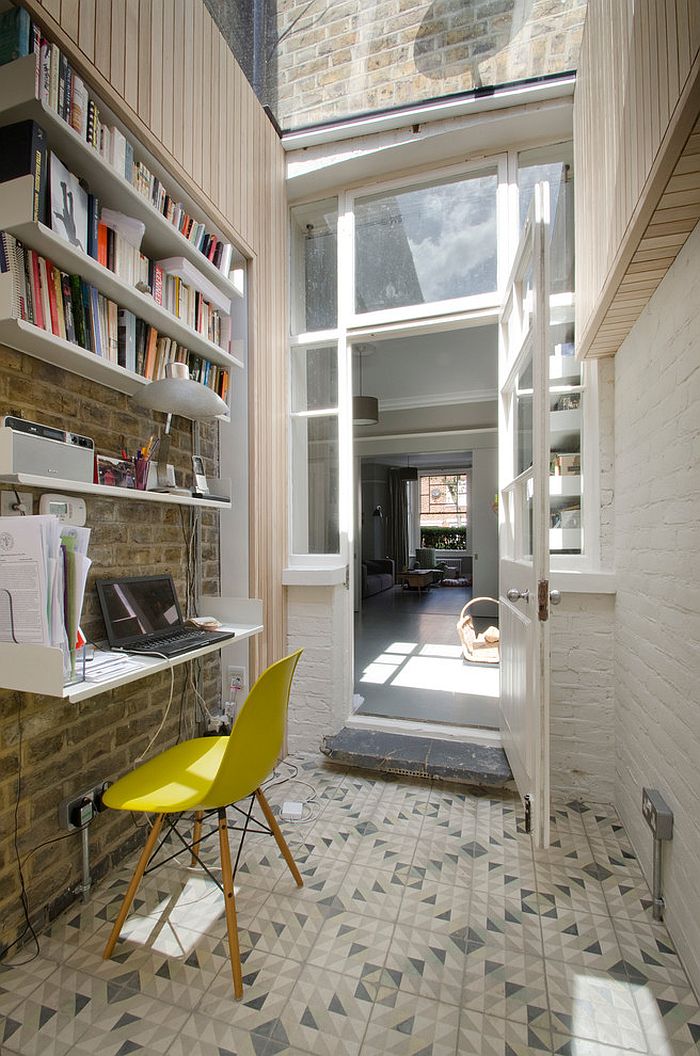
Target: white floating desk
{"x":39,"y":668}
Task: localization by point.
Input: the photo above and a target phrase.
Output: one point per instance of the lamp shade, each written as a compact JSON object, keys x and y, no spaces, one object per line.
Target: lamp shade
{"x":365,"y":410}
{"x":180,"y":395}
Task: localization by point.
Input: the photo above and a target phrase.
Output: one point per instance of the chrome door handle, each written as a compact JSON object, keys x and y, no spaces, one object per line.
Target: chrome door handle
{"x":517,"y":595}
{"x":555,"y":597}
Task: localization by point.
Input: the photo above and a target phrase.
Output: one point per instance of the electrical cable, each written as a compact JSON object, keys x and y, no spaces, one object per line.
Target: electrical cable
{"x":18,"y":796}
{"x":155,"y":736}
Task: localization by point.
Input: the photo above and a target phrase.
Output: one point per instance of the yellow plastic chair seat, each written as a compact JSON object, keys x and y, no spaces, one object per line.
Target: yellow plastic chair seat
{"x":180,"y":778}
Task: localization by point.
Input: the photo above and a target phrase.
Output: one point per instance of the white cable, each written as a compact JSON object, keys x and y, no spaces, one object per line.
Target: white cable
{"x":171,"y":669}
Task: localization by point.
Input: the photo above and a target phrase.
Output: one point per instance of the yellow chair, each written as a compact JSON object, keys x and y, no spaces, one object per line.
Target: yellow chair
{"x":206,"y":775}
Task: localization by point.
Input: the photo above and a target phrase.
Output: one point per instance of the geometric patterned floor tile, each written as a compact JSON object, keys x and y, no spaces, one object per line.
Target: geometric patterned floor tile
{"x":285,"y":928}
{"x":670,"y":1017}
{"x":580,"y":938}
{"x":324,"y":1015}
{"x":350,"y":941}
{"x":428,"y":904}
{"x":503,"y":924}
{"x":489,"y":1036}
{"x":509,"y":985}
{"x":267,"y":984}
{"x":647,"y":947}
{"x":414,"y":1026}
{"x":563,"y":1045}
{"x":427,"y":963}
{"x":428,"y":925}
{"x":135,"y":1024}
{"x":374,"y":892}
{"x":20,"y":975}
{"x":595,"y":1005}
{"x":202,"y":1035}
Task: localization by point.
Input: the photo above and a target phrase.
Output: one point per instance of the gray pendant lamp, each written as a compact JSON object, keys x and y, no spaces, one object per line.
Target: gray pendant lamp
{"x":365,"y":409}
{"x":176,"y":393}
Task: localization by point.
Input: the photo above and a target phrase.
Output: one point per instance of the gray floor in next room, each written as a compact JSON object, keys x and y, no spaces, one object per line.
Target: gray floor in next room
{"x":428,"y":925}
{"x":408,"y":660}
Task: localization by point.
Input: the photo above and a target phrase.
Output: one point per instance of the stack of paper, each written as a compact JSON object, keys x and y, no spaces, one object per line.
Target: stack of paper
{"x":43,"y":572}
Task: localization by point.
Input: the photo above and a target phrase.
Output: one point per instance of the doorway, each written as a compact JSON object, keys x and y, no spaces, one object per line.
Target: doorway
{"x":426,"y":530}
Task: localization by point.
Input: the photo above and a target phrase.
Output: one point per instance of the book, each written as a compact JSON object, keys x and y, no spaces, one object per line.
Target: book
{"x":54,"y":63}
{"x":44,"y":295}
{"x":51,"y":290}
{"x":58,"y":293}
{"x":79,"y":107}
{"x":68,"y":308}
{"x":150,"y":360}
{"x":11,"y":264}
{"x":102,"y":244}
{"x":93,"y":219}
{"x":23,"y":152}
{"x":69,"y":205}
{"x":45,"y":76}
{"x":15,"y":34}
{"x":95,"y":329}
{"x":36,"y":290}
{"x":78,"y":306}
{"x":126,"y":346}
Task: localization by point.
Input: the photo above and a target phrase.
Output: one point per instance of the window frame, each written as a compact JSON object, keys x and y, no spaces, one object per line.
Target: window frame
{"x":496,"y":164}
{"x":353,"y":326}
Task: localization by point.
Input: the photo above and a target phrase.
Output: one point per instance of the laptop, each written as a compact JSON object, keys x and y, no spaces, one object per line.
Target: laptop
{"x":142,"y":615}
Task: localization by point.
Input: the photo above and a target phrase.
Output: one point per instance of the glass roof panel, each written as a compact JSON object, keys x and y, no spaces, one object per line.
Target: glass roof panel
{"x":319,"y":61}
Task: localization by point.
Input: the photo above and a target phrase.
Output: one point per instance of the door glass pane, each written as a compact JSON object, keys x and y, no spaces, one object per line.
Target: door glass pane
{"x":565,"y":472}
{"x":523,"y":419}
{"x":315,"y":477}
{"x":314,"y":378}
{"x":426,"y":244}
{"x":314,"y":266}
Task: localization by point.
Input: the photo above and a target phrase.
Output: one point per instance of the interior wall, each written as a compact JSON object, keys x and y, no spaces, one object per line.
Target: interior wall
{"x":165,"y":70}
{"x":657,"y":622}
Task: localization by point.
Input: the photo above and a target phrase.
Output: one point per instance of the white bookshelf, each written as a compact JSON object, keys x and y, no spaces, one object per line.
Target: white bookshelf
{"x":15,"y":217}
{"x":564,"y":486}
{"x":18,"y":103}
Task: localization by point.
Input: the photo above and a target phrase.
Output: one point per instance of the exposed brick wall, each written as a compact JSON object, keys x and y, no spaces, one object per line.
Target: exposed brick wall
{"x":657,"y":624}
{"x":68,"y":747}
{"x":342,"y":58}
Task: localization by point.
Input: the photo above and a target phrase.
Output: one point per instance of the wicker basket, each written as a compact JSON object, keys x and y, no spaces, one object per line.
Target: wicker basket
{"x":478,"y":648}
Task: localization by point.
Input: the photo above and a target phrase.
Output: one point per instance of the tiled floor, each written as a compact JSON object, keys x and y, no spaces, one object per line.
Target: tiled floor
{"x":408,"y":660}
{"x":427,"y":926}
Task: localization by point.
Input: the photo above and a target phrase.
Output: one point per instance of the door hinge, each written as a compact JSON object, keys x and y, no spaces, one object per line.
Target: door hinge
{"x":543,"y":599}
{"x":527,"y":803}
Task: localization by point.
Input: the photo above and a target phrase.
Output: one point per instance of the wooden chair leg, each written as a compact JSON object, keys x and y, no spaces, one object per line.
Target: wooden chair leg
{"x":277,"y":833}
{"x":196,"y":834}
{"x":230,"y":905}
{"x":131,"y":890}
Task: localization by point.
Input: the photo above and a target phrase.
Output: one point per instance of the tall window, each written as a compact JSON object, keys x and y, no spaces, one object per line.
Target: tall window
{"x":444,"y":510}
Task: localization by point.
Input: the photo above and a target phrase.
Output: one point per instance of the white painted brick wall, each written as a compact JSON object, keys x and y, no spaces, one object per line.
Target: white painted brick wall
{"x":657,"y":623}
{"x":318,"y":621}
{"x":582,"y":749}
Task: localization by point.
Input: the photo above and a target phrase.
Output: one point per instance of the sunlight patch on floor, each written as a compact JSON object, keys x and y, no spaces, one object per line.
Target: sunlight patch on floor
{"x":447,"y":676}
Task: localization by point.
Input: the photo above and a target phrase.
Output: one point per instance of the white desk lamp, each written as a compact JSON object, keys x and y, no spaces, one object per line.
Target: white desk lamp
{"x":176,"y":393}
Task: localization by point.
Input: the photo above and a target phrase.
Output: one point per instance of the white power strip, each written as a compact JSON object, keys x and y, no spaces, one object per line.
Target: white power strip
{"x":292,"y":810}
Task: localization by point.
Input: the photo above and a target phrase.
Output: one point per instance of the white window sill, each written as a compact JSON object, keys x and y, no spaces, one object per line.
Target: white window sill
{"x":574,"y":582}
{"x":328,"y":576}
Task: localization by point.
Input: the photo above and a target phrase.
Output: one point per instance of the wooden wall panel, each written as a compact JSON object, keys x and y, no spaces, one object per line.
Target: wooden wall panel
{"x":238,"y":178}
{"x":636,"y":103}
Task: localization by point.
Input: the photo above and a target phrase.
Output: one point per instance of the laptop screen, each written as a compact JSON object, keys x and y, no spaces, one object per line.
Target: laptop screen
{"x":137,"y":607}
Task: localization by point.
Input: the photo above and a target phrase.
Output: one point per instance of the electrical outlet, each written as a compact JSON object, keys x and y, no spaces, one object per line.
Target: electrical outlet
{"x":236,"y":678}
{"x":77,"y":811}
{"x":8,"y":503}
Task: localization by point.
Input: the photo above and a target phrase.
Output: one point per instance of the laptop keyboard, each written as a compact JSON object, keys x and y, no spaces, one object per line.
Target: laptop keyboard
{"x":178,"y":641}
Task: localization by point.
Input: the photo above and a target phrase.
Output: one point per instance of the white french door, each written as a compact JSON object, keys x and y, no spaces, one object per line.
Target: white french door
{"x":524,"y":517}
